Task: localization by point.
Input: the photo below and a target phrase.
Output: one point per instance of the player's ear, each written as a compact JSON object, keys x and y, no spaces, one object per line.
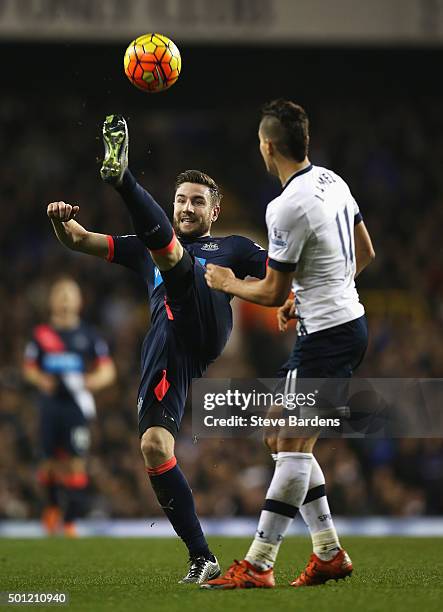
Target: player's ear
{"x":215,"y":212}
{"x":270,"y":149}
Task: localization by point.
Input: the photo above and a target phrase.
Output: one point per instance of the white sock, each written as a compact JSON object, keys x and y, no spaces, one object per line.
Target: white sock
{"x":317,"y":516}
{"x":285,"y":495}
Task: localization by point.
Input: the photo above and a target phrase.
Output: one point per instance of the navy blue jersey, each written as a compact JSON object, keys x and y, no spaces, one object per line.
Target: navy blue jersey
{"x":245,"y":257}
{"x":67,"y":354}
{"x":187,"y":332}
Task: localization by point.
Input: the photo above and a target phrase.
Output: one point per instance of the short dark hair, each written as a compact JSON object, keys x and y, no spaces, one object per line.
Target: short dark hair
{"x":286,"y":124}
{"x":200,"y":178}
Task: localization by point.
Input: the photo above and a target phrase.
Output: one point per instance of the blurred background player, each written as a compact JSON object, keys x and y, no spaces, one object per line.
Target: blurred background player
{"x":190,"y":323}
{"x":318,"y":243}
{"x":66,"y":361}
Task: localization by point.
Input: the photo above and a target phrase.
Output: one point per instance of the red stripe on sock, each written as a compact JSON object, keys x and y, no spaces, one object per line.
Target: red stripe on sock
{"x":167,"y":249}
{"x":78,"y":480}
{"x":164,"y":467}
{"x":110,"y":255}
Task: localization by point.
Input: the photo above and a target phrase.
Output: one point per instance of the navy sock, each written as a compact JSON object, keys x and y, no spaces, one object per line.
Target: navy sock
{"x":76,"y":496}
{"x":150,"y":222}
{"x":76,"y":504}
{"x":175,"y":497}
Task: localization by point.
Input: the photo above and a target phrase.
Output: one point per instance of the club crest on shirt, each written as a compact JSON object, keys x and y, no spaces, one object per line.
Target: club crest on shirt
{"x":280,"y":237}
{"x":210,"y":246}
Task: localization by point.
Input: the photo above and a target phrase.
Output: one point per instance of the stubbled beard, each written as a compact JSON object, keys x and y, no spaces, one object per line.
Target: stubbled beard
{"x":196,"y":232}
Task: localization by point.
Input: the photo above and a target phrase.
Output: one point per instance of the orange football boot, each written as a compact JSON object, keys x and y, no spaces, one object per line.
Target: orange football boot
{"x":318,"y":571}
{"x":70,"y":530}
{"x":242,"y":575}
{"x":51,"y":519}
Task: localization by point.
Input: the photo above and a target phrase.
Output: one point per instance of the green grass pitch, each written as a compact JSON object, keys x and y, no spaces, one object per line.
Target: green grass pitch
{"x":391,"y":574}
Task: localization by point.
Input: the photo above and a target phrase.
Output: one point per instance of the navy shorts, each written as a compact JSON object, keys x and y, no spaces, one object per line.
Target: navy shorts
{"x":329,"y":353}
{"x":64,"y":430}
{"x":333,"y":353}
{"x":186,"y":337}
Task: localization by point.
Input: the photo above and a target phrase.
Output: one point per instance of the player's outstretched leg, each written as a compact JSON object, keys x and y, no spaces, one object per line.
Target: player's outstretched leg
{"x":150,"y":222}
{"x":328,"y":560}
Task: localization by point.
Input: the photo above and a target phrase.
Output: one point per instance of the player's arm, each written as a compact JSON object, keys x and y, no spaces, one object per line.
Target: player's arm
{"x":34,"y":375}
{"x":103,"y":372}
{"x":251,"y":258}
{"x":103,"y":375}
{"x":73,"y":235}
{"x":46,"y":383}
{"x":285,"y":313}
{"x":287,"y":232}
{"x":270,"y":291}
{"x":364,"y":251}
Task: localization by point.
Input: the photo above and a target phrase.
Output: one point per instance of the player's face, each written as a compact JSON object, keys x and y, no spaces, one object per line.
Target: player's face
{"x":194,"y":211}
{"x":266,"y":150}
{"x":65,"y":298}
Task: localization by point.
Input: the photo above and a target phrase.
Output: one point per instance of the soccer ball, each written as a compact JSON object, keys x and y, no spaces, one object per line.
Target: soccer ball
{"x":152,"y":62}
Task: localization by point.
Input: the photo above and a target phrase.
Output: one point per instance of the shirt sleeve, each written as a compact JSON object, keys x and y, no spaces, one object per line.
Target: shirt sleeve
{"x":130,"y":252}
{"x":357,"y":214}
{"x":100,"y":350}
{"x":251,"y":260}
{"x":32,"y":353}
{"x":288,"y":230}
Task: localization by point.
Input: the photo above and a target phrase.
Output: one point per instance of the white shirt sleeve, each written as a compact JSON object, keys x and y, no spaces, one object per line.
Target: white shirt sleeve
{"x":288,"y":230}
{"x":357,"y":214}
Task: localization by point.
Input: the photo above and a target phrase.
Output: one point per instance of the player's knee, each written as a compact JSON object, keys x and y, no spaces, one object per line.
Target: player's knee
{"x":270,"y":434}
{"x":179,"y":278}
{"x":270,"y":441}
{"x":156,"y":446}
{"x":75,"y":465}
{"x":47,"y":466}
{"x":167,"y":261}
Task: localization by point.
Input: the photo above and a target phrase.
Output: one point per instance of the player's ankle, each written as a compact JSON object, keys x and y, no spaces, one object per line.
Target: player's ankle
{"x":258,"y":564}
{"x":127,"y":181}
{"x":202,"y":552}
{"x":326,"y":544}
{"x":328,"y":555}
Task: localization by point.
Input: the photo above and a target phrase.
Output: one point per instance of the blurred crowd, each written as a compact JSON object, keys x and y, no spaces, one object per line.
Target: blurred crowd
{"x":391,"y":161}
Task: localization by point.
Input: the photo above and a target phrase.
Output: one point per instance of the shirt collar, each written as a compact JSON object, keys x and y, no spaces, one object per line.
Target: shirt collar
{"x":299,"y":173}
{"x":197,"y":239}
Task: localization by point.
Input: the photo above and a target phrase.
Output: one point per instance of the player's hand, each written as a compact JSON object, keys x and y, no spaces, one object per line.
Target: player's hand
{"x":47,"y":383}
{"x":285,"y":313}
{"x":60,"y":211}
{"x":218,"y":277}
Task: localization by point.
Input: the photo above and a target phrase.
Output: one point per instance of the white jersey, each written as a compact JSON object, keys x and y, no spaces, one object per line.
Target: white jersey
{"x":311,"y":231}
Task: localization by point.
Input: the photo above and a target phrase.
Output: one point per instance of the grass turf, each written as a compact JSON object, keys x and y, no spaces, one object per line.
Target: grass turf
{"x":392,"y":574}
